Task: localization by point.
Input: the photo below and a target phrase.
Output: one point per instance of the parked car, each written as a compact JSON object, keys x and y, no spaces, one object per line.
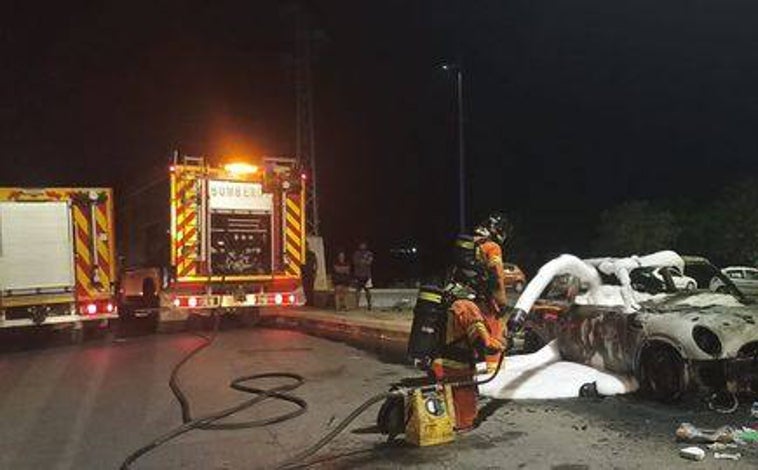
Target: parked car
{"x":681,"y":281}
{"x":678,"y":342}
{"x":514,"y":277}
{"x":654,"y":280}
{"x":744,"y":277}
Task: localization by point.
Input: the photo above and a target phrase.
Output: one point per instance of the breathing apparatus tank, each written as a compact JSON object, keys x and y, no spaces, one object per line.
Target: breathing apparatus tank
{"x":429,"y":327}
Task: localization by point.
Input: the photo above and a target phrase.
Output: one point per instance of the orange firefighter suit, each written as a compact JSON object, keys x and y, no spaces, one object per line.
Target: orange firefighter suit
{"x":467,"y":335}
{"x":492,"y":256}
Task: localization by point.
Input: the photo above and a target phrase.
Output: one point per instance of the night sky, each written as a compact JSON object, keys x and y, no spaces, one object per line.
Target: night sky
{"x":571,"y":106}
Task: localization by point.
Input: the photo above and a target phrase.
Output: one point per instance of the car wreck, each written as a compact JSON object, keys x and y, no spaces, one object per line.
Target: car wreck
{"x":611,"y":314}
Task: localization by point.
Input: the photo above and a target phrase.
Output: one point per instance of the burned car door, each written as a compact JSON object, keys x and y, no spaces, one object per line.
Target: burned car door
{"x":603,"y":337}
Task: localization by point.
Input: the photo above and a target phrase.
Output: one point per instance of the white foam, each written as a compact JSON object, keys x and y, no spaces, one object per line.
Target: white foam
{"x":708,"y":299}
{"x":543,"y":375}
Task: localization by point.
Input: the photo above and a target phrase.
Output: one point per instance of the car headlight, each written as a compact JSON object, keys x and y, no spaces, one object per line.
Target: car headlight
{"x":706,"y":340}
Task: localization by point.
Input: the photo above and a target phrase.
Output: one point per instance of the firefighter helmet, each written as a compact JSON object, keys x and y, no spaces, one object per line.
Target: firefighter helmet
{"x":495,"y":227}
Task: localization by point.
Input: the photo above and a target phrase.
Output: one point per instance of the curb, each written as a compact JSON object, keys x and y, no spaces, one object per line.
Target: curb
{"x":387,"y":338}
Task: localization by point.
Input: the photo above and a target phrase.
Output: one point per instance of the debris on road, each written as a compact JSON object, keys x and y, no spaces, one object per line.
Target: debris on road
{"x":687,"y":432}
{"x":726,"y":456}
{"x":692,"y":453}
{"x":717,"y":446}
{"x":746,"y":435}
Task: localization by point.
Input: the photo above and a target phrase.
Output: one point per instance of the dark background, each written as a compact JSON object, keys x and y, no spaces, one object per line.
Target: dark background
{"x":571,"y":107}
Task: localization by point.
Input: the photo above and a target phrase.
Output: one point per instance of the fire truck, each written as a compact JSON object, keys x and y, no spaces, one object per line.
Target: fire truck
{"x":228,"y":237}
{"x":57,"y":261}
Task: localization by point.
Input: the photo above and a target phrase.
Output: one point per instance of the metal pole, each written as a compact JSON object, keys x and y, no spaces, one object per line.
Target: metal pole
{"x":461,"y":154}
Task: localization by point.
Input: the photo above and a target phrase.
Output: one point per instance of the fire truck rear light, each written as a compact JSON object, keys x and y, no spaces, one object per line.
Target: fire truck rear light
{"x":177,"y":302}
{"x":192,"y":302}
{"x":278,"y":299}
{"x":91,"y":309}
{"x":291,"y":298}
{"x":109,"y":307}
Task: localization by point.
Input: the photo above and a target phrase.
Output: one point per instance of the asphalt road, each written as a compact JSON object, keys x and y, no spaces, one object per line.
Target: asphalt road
{"x":89,"y":406}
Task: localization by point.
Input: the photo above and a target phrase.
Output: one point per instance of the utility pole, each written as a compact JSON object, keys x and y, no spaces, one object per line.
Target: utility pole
{"x":461,"y":143}
{"x":461,"y":154}
{"x":305,"y":141}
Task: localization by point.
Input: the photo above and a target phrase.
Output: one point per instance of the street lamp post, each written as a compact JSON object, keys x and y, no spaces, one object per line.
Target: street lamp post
{"x":461,"y":145}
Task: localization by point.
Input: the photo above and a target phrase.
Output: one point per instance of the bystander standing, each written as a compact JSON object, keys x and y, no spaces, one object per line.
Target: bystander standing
{"x":308,"y":275}
{"x":362,"y":260}
{"x":341,"y":280}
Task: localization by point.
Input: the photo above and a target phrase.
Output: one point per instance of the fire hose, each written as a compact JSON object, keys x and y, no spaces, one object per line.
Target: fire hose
{"x":209,"y":421}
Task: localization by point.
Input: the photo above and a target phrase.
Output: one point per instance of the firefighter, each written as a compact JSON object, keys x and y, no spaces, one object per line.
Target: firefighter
{"x":467,"y":339}
{"x":489,"y":237}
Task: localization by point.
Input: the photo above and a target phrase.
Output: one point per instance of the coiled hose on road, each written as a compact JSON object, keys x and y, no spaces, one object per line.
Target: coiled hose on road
{"x":208,"y":421}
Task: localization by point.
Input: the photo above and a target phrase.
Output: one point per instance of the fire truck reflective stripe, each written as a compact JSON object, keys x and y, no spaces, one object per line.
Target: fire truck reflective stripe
{"x":293,"y":207}
{"x":184,"y":271}
{"x":84,"y":273}
{"x":82,"y":239}
{"x":189,"y":238}
{"x":83,"y":285}
{"x":104,"y":256}
{"x":293,"y":252}
{"x":186,"y":220}
{"x":81,"y":221}
{"x":292,"y":238}
{"x":293,"y":222}
{"x":102,"y":223}
{"x":185,"y":235}
{"x":293,"y":234}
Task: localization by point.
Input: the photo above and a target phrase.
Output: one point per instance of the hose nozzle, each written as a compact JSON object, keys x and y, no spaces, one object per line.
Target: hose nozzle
{"x":516,"y":321}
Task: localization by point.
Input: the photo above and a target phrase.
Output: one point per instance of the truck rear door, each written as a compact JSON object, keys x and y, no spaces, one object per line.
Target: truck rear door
{"x":240,"y":228}
{"x":36,"y":249}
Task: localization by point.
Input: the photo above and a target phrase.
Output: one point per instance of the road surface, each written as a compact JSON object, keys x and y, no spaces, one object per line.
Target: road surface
{"x":89,"y":406}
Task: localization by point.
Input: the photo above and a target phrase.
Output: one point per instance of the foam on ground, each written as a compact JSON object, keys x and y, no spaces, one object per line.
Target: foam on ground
{"x":543,"y":375}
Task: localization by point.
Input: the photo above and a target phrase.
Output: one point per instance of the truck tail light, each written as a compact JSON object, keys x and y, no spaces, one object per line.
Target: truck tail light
{"x":177,"y":302}
{"x":109,"y":307}
{"x":91,"y":308}
{"x":192,"y":302}
{"x":278,"y":299}
{"x":291,"y":298}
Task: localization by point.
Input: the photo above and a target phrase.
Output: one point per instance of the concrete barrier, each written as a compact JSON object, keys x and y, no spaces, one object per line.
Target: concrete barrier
{"x":386,"y":338}
{"x":399,"y":299}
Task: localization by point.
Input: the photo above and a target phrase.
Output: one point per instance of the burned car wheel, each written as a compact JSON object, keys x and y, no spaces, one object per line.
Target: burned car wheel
{"x":533,"y":342}
{"x":661,"y":372}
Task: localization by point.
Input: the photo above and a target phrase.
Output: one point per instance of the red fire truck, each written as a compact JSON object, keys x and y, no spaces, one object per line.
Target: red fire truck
{"x":57,"y":263}
{"x":232,"y":237}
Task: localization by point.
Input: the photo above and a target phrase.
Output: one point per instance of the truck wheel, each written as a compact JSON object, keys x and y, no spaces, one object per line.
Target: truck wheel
{"x":661,"y":372}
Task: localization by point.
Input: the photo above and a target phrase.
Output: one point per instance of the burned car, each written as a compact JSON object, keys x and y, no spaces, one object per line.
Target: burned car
{"x":673,"y":341}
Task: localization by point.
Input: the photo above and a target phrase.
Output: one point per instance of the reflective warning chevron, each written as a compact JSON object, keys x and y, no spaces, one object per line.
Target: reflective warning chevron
{"x":294,"y":231}
{"x":186,"y":237}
